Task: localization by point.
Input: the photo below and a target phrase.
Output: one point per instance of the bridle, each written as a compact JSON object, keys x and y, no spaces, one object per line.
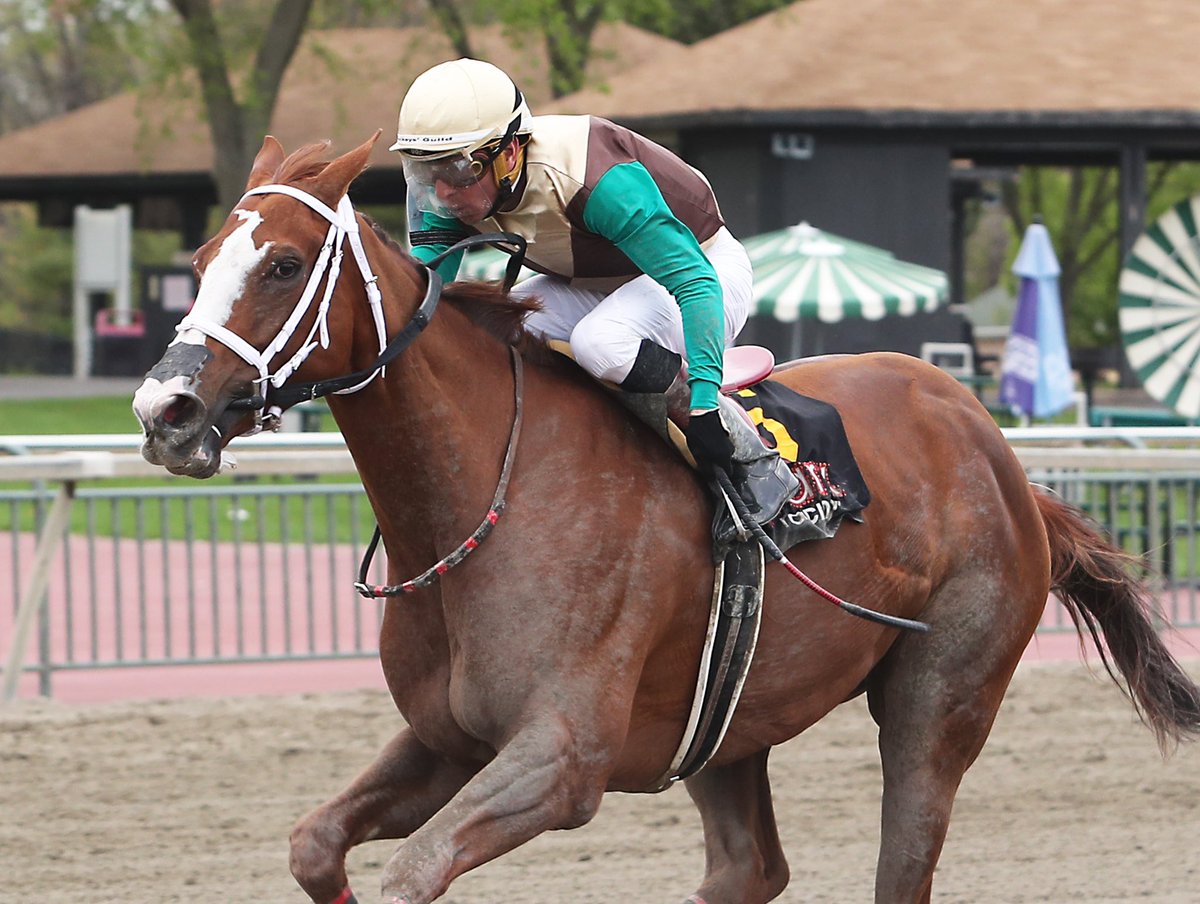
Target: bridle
{"x":343,"y":225}
{"x":273,"y":396}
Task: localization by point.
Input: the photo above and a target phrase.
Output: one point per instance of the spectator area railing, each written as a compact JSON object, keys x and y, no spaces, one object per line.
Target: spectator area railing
{"x":106,"y":563}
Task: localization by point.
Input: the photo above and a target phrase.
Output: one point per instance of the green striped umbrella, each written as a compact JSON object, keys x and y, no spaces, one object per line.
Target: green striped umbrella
{"x":1160,"y":308}
{"x":802,"y":272}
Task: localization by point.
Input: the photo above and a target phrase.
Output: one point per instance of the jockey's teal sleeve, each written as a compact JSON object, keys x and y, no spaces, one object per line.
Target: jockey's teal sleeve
{"x":627,"y":208}
{"x":447,"y":269}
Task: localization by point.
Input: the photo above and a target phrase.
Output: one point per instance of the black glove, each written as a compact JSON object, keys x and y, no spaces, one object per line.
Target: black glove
{"x":708,"y":441}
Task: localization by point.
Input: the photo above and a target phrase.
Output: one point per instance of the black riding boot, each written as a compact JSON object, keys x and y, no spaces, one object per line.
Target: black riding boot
{"x":760,"y":475}
{"x":656,"y":391}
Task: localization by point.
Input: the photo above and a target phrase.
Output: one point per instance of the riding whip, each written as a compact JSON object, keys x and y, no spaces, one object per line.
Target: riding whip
{"x":739,"y":506}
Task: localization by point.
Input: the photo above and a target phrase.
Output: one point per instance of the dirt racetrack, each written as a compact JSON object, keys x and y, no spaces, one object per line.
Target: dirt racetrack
{"x":192,"y":801}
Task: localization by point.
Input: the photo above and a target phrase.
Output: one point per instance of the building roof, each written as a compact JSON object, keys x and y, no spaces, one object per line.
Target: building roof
{"x":1093,"y":60}
{"x":342,"y":85}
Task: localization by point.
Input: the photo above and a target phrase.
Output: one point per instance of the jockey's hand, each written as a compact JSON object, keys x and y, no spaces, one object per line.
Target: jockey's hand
{"x":709,"y":441}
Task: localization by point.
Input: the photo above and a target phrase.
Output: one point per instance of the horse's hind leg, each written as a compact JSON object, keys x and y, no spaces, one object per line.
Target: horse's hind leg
{"x":405,"y":785}
{"x":744,"y":862}
{"x":935,"y":700}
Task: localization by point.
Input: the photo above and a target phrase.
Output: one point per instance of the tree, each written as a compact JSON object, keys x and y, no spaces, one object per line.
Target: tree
{"x":567,"y":26}
{"x":1079,"y":208}
{"x":695,"y":20}
{"x":237,"y":124}
{"x":57,"y":57}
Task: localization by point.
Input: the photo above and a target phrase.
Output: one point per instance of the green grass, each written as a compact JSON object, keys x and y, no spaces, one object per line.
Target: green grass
{"x":99,"y":414}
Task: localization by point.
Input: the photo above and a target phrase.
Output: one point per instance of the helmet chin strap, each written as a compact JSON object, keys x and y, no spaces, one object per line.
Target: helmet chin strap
{"x":507,"y":182}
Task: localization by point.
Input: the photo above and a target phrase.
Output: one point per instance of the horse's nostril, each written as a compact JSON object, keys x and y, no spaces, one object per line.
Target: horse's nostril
{"x":179,"y":411}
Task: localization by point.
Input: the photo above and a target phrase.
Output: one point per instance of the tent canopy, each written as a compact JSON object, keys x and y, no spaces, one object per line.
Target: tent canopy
{"x":803,"y":272}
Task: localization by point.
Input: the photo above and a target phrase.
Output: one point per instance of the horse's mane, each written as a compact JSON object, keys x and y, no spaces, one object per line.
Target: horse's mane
{"x":302,"y":163}
{"x":487,"y":305}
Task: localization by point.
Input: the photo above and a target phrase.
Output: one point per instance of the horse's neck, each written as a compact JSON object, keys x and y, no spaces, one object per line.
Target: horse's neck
{"x":428,"y":438}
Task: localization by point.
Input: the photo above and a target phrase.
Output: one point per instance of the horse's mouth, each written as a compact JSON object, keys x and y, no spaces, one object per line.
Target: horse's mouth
{"x":199,"y":460}
{"x":179,"y":432}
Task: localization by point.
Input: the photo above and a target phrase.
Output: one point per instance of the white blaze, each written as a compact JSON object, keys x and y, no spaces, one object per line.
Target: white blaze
{"x":225,"y":277}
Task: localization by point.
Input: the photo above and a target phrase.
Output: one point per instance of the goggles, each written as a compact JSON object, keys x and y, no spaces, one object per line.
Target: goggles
{"x":456,"y":170}
{"x":451,"y":187}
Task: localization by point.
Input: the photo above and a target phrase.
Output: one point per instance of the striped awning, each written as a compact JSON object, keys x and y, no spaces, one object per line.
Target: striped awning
{"x":803,"y":272}
{"x":1160,"y":308}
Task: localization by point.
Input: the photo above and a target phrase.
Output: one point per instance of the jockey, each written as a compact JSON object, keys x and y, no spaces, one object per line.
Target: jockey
{"x":636,"y":268}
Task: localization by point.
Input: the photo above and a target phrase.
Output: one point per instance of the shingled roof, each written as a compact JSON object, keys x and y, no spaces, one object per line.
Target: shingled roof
{"x":342,"y":85}
{"x":922,"y":60}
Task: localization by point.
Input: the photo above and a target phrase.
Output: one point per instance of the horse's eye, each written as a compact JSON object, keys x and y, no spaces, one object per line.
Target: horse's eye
{"x":285,"y":269}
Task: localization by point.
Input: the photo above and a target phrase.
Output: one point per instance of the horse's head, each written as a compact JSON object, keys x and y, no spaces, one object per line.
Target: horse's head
{"x":266,"y":283}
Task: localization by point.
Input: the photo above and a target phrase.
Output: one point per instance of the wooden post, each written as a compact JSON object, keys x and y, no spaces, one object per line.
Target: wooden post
{"x":35,"y":590}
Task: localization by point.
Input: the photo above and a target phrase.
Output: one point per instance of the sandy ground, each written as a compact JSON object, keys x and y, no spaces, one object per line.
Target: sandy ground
{"x":192,"y":800}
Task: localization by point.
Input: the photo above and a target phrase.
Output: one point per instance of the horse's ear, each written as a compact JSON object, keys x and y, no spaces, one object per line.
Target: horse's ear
{"x":333,"y":181}
{"x":266,"y":163}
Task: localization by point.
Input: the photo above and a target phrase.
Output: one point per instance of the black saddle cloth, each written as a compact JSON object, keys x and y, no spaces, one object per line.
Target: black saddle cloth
{"x":809,"y":435}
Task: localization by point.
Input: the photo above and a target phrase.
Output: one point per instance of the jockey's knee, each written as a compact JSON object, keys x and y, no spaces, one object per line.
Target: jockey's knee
{"x":603,"y":353}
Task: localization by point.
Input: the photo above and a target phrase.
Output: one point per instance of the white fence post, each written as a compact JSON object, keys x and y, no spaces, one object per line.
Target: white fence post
{"x":35,"y":591}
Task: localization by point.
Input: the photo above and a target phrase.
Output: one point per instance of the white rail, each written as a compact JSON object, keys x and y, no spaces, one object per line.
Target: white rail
{"x":1127,"y":436}
{"x":102,"y":455}
{"x":1080,"y":454}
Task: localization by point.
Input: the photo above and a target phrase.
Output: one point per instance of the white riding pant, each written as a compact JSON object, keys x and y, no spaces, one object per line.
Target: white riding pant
{"x":606,"y":331}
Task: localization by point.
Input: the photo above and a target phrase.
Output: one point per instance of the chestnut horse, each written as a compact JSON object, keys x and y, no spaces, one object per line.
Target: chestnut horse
{"x":559,"y":660}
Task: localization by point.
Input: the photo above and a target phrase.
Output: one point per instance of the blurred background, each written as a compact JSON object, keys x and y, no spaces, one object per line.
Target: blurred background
{"x":935,"y":131}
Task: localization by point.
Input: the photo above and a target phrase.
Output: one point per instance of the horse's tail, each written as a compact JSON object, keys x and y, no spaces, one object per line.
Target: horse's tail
{"x":1093,"y":579}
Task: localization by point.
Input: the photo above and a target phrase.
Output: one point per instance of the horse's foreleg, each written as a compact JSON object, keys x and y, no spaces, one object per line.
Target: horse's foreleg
{"x":405,"y":785}
{"x":542,"y":779}
{"x":744,"y":862}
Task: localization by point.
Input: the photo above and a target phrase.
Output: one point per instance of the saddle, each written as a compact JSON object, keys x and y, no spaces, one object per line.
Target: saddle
{"x":808,"y":434}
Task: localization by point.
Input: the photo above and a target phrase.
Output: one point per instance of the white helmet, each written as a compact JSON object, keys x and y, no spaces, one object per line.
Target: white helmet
{"x":456,"y":121}
{"x":459,"y":107}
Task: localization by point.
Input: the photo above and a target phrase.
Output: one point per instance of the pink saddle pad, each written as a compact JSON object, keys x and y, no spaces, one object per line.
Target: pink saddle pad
{"x":745,"y":365}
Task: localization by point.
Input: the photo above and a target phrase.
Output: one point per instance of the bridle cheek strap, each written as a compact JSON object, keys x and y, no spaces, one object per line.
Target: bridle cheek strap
{"x":343,"y":227}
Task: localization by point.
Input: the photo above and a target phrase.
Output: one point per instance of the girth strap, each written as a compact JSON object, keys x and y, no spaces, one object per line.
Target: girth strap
{"x":725,"y":661}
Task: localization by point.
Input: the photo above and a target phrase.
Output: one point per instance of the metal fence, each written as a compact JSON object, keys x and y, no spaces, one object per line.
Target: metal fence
{"x":1152,"y":515}
{"x":190,"y":575}
{"x":261,"y":569}
{"x":174,"y":572}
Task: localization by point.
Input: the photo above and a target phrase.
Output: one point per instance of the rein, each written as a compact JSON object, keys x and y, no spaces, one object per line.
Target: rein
{"x":290,"y":395}
{"x":430,"y":575}
{"x":734,"y":500}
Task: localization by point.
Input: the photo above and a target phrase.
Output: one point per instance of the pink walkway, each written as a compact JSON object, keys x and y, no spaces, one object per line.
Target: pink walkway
{"x":315,"y":611}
